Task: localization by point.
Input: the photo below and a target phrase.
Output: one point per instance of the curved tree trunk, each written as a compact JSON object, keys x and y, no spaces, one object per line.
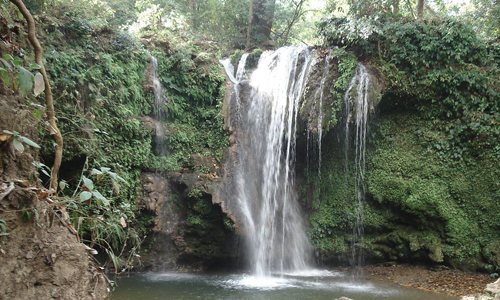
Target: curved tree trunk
{"x":48,"y":92}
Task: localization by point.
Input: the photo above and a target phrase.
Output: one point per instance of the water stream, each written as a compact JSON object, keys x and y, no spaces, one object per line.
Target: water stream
{"x":159,"y":102}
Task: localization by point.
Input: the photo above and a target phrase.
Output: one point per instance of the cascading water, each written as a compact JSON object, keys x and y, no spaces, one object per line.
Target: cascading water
{"x":356,"y":110}
{"x":159,"y":102}
{"x":236,"y":79}
{"x":265,"y":191}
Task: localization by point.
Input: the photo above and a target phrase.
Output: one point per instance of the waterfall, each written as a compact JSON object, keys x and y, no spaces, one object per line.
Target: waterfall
{"x":356,"y":110}
{"x":264,"y":175}
{"x":229,"y":68}
{"x":159,"y":102}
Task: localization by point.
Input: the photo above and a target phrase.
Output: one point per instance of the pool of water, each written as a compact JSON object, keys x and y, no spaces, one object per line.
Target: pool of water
{"x":315,"y":284}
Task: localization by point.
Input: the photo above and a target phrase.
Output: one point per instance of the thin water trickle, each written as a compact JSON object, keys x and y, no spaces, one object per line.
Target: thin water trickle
{"x":159,"y":102}
{"x":356,"y":104}
{"x":319,"y":95}
{"x":274,"y":229}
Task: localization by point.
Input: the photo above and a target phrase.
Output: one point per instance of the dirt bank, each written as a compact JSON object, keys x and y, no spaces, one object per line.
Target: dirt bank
{"x":441,"y":280}
{"x":39,"y":257}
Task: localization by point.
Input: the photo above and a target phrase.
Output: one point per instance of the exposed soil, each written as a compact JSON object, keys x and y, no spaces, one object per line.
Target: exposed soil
{"x":441,"y":280}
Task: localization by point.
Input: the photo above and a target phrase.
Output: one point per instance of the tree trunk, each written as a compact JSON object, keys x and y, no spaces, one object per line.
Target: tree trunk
{"x":420,"y":9}
{"x":48,"y":92}
{"x":249,"y":27}
{"x":395,"y":7}
{"x":194,"y":14}
{"x":262,"y":21}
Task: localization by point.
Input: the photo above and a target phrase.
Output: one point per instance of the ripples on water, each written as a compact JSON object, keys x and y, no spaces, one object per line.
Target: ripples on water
{"x":311,"y":284}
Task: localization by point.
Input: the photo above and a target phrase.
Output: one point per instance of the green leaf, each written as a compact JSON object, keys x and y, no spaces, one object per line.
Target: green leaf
{"x":8,"y":56}
{"x":45,"y":172}
{"x":101,"y":198}
{"x":96,"y":172}
{"x":17,"y":61}
{"x":29,"y":142}
{"x":88,"y":183}
{"x":6,"y":63}
{"x":62,"y":184}
{"x":116,"y":177}
{"x":26,"y":79}
{"x":5,"y":76}
{"x":105,"y":169}
{"x":84,"y":196}
{"x":18,"y":145}
{"x":35,"y":66}
{"x":37,"y":114}
{"x":20,"y":15}
{"x":13,"y":133}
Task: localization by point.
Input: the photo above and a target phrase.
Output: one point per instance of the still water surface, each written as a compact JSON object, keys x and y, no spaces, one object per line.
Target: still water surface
{"x":316,"y":284}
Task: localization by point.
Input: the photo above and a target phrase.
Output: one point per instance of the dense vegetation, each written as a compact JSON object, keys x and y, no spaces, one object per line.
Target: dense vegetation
{"x":432,"y":174}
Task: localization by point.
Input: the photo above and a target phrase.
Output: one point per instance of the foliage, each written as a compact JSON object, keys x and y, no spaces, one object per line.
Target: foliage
{"x":103,"y":219}
{"x":236,"y":56}
{"x":23,"y":79}
{"x":442,"y":62}
{"x":195,"y":91}
{"x":18,"y":140}
{"x":104,"y":107}
{"x":432,"y":172}
{"x":253,"y":58}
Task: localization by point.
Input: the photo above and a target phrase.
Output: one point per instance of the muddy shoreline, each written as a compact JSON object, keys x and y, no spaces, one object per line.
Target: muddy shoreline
{"x":436,"y":279}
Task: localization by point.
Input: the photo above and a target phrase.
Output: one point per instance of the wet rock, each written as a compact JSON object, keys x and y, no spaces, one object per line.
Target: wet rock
{"x":493,"y":289}
{"x":343,"y":298}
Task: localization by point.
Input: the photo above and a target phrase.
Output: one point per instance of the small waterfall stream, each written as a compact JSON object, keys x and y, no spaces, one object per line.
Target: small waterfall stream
{"x":159,"y":102}
{"x":319,"y":96}
{"x":356,"y":104}
{"x":265,"y":192}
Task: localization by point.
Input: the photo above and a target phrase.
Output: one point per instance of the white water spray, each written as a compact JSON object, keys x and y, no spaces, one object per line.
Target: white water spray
{"x":265,"y":191}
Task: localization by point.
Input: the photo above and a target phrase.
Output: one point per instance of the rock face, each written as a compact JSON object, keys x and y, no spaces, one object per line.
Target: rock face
{"x":40,"y":257}
{"x":190,"y":230}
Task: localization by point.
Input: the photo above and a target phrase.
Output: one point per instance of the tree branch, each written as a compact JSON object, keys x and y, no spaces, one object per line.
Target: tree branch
{"x":48,"y":92}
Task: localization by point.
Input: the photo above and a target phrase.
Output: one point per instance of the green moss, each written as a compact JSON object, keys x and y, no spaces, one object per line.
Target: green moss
{"x":442,"y":198}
